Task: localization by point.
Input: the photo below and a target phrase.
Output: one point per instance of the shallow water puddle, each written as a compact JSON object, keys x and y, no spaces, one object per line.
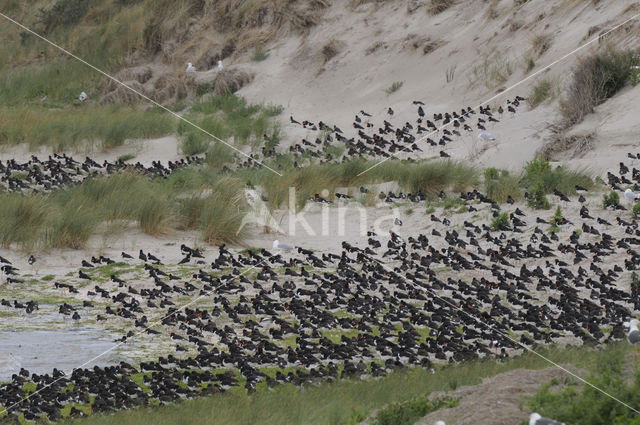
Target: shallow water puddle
{"x":39,"y":351}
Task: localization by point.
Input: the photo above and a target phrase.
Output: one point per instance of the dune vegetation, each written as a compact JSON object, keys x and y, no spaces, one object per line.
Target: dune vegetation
{"x":211,"y":198}
{"x":66,"y":218}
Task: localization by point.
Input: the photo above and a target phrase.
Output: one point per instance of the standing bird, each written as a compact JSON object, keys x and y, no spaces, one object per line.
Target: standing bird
{"x":190,"y":68}
{"x":220,"y":67}
{"x":31,"y":260}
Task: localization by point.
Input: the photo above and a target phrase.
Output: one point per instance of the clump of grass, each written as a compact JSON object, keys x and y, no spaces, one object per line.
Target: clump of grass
{"x":23,"y":218}
{"x":538,"y":199}
{"x":190,"y":210}
{"x":434,"y":176}
{"x":195,"y":143}
{"x":612,"y":200}
{"x":450,"y":73}
{"x":541,"y":43}
{"x":72,"y":228}
{"x":501,"y":222}
{"x":539,"y":174}
{"x":63,"y":129}
{"x":542,"y":91}
{"x":223,"y":212}
{"x":634,"y":211}
{"x":66,"y":218}
{"x":499,"y":185}
{"x":126,"y":157}
{"x":530,"y":64}
{"x":335,"y":150}
{"x":395,"y":86}
{"x":218,"y":155}
{"x":409,"y":412}
{"x":595,"y":79}
{"x":438,"y":6}
{"x":63,"y":13}
{"x":259,"y":54}
{"x":430,"y":177}
{"x":331,"y":49}
{"x":557,"y":218}
{"x":229,"y":116}
{"x":272,"y":137}
{"x":494,"y":70}
{"x":153,"y":216}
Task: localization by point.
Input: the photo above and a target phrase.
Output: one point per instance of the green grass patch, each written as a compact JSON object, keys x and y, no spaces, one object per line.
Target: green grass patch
{"x":409,"y":412}
{"x":501,"y":222}
{"x":499,"y":185}
{"x":228,"y":116}
{"x":542,"y":91}
{"x":62,"y":129}
{"x":539,"y":174}
{"x":259,"y":54}
{"x":587,"y":406}
{"x":68,"y":217}
{"x":126,"y":157}
{"x":395,"y":86}
{"x":335,"y":403}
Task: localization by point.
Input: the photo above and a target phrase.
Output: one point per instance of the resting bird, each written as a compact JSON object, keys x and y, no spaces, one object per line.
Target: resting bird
{"x":190,"y":68}
{"x":486,"y":137}
{"x":83,"y":96}
{"x":280,"y":245}
{"x":536,"y":419}
{"x":630,"y":195}
{"x":634,"y":334}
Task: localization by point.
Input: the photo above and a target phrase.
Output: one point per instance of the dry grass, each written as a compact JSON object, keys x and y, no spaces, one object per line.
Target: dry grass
{"x":595,"y":79}
{"x":494,"y":70}
{"x":331,"y":50}
{"x":67,"y":218}
{"x":438,"y":6}
{"x":544,"y":90}
{"x":85,"y":124}
{"x":230,"y":81}
{"x":560,"y":146}
{"x":540,"y":43}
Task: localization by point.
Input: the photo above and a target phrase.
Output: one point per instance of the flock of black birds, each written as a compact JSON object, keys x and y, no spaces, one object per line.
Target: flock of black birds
{"x":388,"y":139}
{"x":59,"y":170}
{"x":451,"y":294}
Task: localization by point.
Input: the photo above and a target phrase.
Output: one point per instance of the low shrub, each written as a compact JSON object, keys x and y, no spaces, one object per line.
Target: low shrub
{"x":410,"y":411}
{"x":501,"y":222}
{"x":611,"y":200}
{"x":542,"y":91}
{"x":595,"y":79}
{"x":394,"y":87}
